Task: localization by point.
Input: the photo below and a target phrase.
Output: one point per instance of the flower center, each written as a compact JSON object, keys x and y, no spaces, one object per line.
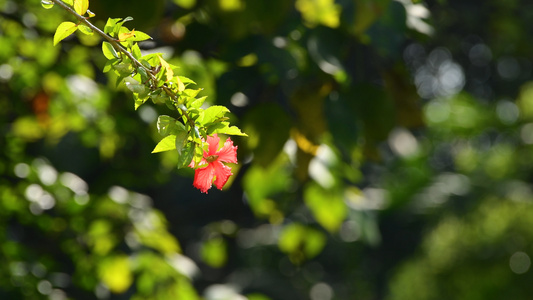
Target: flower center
{"x":211,"y":158}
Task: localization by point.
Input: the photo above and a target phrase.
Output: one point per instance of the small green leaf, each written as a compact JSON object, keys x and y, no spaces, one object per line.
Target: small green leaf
{"x":141,"y":36}
{"x":110,"y":25}
{"x":136,"y":51}
{"x":224,"y":128}
{"x":164,"y":124}
{"x":181,"y":137}
{"x":187,"y":4}
{"x":186,"y":80}
{"x":85,"y":30}
{"x":213,"y":113}
{"x":139,"y":100}
{"x":166,"y":144}
{"x":81,"y":6}
{"x":47,"y":4}
{"x":117,"y":28}
{"x":64,"y":30}
{"x":123,"y":68}
{"x":192,"y":93}
{"x":196,"y":103}
{"x":144,"y":74}
{"x":110,"y":64}
{"x":109,"y":51}
{"x":187,"y":153}
{"x":326,"y":205}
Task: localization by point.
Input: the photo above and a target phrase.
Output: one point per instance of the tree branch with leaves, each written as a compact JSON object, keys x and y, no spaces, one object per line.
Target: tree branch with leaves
{"x":194,"y":130}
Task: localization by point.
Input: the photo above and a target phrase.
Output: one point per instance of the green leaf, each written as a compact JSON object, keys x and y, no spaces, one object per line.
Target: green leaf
{"x":164,"y":124}
{"x":224,"y":128}
{"x":110,"y":25}
{"x":135,"y":86}
{"x":181,"y":136}
{"x":85,"y":30}
{"x":301,"y":242}
{"x":186,"y":155}
{"x":47,"y":4}
{"x":122,"y":68}
{"x":186,"y":80}
{"x":166,"y":144}
{"x":141,"y":36}
{"x":327,"y":206}
{"x":191,"y":93}
{"x":81,"y":6}
{"x":214,"y":252}
{"x":136,"y":51}
{"x":109,"y":51}
{"x":139,"y":100}
{"x":196,"y":103}
{"x":110,"y":64}
{"x":213,"y":113}
{"x":64,"y":30}
{"x":117,"y":28}
{"x":187,"y":4}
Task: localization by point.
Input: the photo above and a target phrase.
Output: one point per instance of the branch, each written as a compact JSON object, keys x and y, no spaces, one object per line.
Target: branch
{"x":120,"y":48}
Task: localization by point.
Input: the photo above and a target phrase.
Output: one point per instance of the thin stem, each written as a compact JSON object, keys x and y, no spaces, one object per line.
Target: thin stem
{"x":120,"y":48}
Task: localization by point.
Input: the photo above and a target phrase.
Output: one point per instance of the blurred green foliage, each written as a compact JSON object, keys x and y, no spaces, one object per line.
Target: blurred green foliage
{"x":389,"y":154}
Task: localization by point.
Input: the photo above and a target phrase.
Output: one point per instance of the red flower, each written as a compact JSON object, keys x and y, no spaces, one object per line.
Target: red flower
{"x":211,"y":166}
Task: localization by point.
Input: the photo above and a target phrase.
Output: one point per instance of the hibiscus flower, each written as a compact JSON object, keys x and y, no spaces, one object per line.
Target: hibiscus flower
{"x":211,"y":166}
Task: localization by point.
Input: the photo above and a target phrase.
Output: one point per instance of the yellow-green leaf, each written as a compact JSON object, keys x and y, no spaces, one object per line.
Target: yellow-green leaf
{"x":169,"y":72}
{"x":116,"y":273}
{"x":64,"y":30}
{"x":109,"y":51}
{"x":166,"y":144}
{"x":81,"y":6}
{"x":327,"y":206}
{"x":85,"y":30}
{"x":47,"y":4}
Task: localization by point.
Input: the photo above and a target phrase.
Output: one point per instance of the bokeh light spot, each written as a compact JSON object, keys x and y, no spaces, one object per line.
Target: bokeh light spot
{"x":519,"y":262}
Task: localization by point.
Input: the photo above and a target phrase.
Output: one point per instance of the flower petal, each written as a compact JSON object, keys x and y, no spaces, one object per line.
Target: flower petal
{"x":203,"y":178}
{"x":213,"y":142}
{"x":222,"y":174}
{"x":228,"y":153}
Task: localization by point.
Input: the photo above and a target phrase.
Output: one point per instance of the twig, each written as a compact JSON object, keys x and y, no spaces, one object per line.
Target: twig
{"x":120,"y":48}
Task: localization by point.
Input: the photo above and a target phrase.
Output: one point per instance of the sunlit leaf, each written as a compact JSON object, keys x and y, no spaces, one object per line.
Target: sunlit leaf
{"x":85,"y":30}
{"x":314,"y":12}
{"x":213,"y":252}
{"x":47,"y":4}
{"x":81,"y":6}
{"x":136,"y":51}
{"x":186,"y":80}
{"x":187,"y":4}
{"x":141,"y":36}
{"x":64,"y":30}
{"x":224,"y":128}
{"x":126,"y":35}
{"x":301,"y":242}
{"x":166,"y":144}
{"x":327,"y":206}
{"x":168,"y":69}
{"x":213,"y":113}
{"x":116,"y":273}
{"x":109,"y":51}
{"x":110,"y":25}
